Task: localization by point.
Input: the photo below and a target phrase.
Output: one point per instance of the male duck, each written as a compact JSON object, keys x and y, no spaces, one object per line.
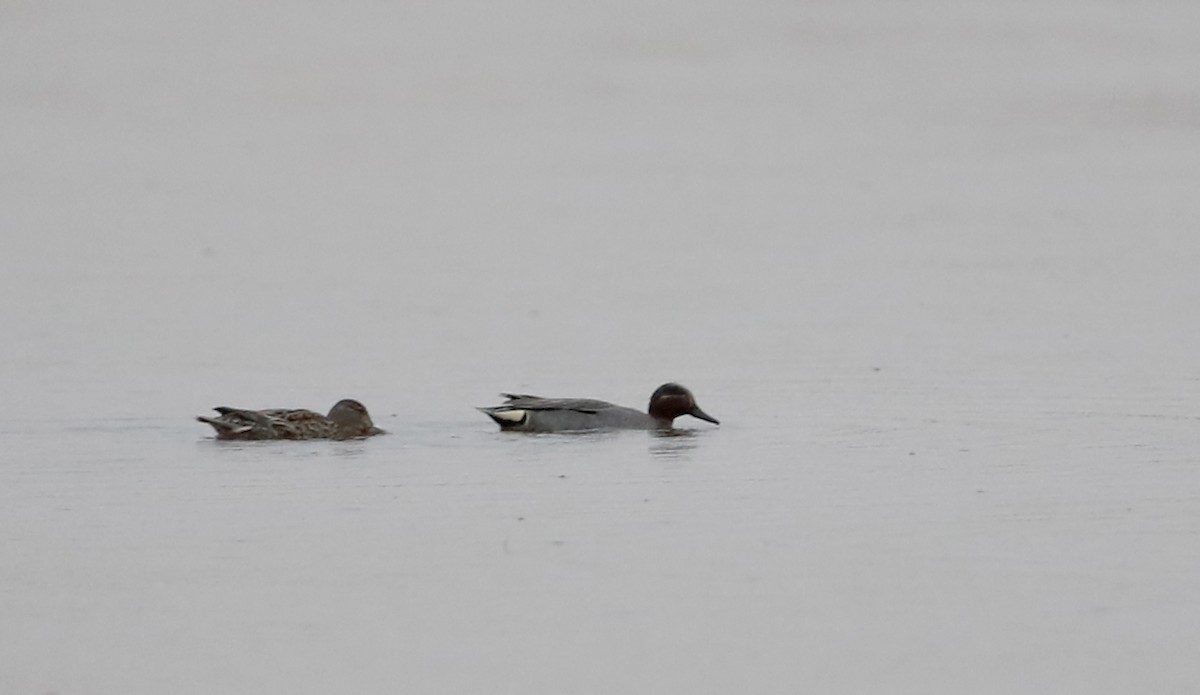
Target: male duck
{"x":523,"y":413}
{"x":348,"y":419}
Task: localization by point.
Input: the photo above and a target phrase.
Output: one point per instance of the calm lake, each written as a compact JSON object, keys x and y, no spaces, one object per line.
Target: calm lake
{"x":933,"y":266}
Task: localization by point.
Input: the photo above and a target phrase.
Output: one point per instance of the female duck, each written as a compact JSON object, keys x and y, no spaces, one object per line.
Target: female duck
{"x":348,"y":419}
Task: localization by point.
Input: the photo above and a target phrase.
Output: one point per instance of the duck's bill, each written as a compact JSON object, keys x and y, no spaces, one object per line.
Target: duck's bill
{"x":696,"y":412}
{"x":374,"y":431}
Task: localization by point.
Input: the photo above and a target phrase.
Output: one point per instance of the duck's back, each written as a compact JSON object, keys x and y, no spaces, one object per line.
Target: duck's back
{"x":305,"y":424}
{"x":535,"y":414}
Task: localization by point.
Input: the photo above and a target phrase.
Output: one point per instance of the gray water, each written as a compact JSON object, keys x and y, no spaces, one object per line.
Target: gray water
{"x":933,"y":265}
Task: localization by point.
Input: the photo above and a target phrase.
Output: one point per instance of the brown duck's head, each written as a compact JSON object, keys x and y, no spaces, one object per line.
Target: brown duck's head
{"x":352,"y":419}
{"x":672,"y":400}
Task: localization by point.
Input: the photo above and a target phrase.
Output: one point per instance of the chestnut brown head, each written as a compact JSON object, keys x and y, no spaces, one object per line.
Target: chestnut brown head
{"x":672,"y":400}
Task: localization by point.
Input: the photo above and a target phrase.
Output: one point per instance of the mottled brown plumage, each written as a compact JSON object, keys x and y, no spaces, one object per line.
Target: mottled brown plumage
{"x":348,"y":419}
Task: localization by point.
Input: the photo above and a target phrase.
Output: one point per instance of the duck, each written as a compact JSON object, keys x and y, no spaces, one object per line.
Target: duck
{"x":347,"y":419}
{"x":526,"y":413}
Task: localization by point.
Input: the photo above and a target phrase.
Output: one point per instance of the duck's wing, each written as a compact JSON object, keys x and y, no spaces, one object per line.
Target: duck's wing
{"x":525,"y":402}
{"x":303,"y":424}
{"x":284,"y":423}
{"x":239,"y":423}
{"x":536,"y":414}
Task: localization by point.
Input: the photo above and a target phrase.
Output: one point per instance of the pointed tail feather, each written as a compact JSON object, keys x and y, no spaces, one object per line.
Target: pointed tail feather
{"x":224,"y":426}
{"x":520,"y":397}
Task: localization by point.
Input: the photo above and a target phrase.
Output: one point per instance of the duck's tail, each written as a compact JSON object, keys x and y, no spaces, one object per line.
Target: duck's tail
{"x":224,"y":427}
{"x":507,"y":418}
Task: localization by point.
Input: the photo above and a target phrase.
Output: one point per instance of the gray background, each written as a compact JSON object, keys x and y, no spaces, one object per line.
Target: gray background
{"x":932,"y":264}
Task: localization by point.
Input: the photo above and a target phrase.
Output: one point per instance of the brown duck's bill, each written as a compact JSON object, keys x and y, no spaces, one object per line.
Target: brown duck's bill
{"x":696,"y":412}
